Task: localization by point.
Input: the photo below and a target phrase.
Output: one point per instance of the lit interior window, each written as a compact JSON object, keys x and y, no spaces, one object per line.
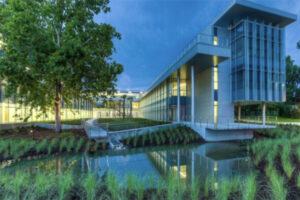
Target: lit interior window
{"x":216,"y":40}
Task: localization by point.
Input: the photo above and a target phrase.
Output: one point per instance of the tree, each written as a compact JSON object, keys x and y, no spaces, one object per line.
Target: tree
{"x":292,"y":80}
{"x":298,"y":45}
{"x":54,"y":51}
{"x":123,"y":97}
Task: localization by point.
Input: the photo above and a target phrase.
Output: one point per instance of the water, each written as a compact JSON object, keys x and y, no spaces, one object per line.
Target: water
{"x":220,"y":160}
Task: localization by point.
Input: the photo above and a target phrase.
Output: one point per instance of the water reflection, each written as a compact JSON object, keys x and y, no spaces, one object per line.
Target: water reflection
{"x":212,"y":159}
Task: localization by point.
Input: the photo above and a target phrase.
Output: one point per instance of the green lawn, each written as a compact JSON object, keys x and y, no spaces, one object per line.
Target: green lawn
{"x":273,"y":119}
{"x":117,"y":124}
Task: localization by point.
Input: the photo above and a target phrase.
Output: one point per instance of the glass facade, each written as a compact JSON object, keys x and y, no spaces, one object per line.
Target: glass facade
{"x":257,"y":61}
{"x":161,"y":103}
{"x":11,"y":112}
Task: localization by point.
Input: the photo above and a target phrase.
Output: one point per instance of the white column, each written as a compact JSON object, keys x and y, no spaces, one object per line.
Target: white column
{"x":264,"y":113}
{"x":192,"y":95}
{"x":178,"y":96}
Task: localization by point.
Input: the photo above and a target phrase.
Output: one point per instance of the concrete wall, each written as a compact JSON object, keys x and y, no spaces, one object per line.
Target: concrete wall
{"x":203,"y":96}
{"x":226,"y":107}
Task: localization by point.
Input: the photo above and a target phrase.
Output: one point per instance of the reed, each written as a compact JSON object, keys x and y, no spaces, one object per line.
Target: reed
{"x":277,"y":186}
{"x":112,"y":185}
{"x":62,"y":145}
{"x":65,"y":182}
{"x":140,"y":188}
{"x":87,"y":146}
{"x":41,"y":146}
{"x":43,"y":183}
{"x":298,"y":181}
{"x":89,"y":183}
{"x":195,"y":190}
{"x":286,"y":161}
{"x":79,"y":145}
{"x":131,"y":181}
{"x":71,"y":144}
{"x":249,"y":187}
{"x":224,"y":190}
{"x":171,"y":187}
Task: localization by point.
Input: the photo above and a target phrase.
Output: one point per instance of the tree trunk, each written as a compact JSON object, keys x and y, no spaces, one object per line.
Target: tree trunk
{"x":124,"y":109}
{"x":131,"y":109}
{"x":58,"y":109}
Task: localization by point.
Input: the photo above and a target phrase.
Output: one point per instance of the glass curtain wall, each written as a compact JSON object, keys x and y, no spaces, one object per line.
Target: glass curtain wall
{"x":258,"y":62}
{"x":11,"y":112}
{"x":161,"y":103}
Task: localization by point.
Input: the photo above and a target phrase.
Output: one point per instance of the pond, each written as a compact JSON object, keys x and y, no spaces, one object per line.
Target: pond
{"x":219,"y":160}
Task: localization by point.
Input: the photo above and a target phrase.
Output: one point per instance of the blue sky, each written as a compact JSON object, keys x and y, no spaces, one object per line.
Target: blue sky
{"x":155,"y":31}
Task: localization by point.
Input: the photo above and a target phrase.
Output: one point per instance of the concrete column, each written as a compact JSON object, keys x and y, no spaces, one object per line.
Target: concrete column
{"x":264,"y":113}
{"x":178,"y":96}
{"x":192,"y":95}
{"x":239,"y":111}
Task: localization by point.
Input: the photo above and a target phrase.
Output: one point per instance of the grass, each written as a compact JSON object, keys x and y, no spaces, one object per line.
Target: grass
{"x":277,"y":185}
{"x":249,"y":187}
{"x":66,"y":121}
{"x":165,"y":136}
{"x":117,"y":124}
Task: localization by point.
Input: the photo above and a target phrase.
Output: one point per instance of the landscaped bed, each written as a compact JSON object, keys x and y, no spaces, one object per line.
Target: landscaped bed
{"x":65,"y":121}
{"x":117,"y":124}
{"x":276,"y":153}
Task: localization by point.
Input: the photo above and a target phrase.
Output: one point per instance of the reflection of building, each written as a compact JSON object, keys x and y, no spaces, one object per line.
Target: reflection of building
{"x":239,"y":59}
{"x":216,"y":160}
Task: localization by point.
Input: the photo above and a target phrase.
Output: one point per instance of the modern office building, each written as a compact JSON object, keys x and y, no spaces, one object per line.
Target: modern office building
{"x":238,"y":60}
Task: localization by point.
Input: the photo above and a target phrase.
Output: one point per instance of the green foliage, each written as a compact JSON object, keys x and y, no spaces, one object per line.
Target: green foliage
{"x":286,"y":161}
{"x":70,"y":144}
{"x":43,"y":183}
{"x":89,"y":183}
{"x":79,"y":144}
{"x":112,"y":185}
{"x":298,"y":181}
{"x":249,"y":187}
{"x":195,"y":191}
{"x":140,"y":189}
{"x":131,"y":181}
{"x":52,"y":46}
{"x":224,"y":190}
{"x":42,"y":145}
{"x":278,"y":186}
{"x":65,"y":182}
{"x":63,"y":144}
{"x":52,"y":145}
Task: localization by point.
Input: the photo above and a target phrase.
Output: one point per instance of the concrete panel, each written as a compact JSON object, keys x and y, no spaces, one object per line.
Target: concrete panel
{"x":226,"y":107}
{"x":203,"y":96}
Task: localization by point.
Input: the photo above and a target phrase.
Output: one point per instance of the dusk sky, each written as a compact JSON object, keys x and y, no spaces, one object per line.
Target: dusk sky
{"x":154,"y":32}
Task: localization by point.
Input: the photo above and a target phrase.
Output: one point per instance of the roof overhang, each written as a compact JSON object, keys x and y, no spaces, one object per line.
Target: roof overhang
{"x":245,"y":9}
{"x":200,"y":55}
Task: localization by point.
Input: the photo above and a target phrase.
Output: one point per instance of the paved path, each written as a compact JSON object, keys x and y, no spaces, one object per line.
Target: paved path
{"x":93,"y":130}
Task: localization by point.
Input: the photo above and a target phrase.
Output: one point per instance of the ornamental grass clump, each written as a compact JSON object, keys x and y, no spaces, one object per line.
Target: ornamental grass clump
{"x":277,"y":186}
{"x":70,"y":144}
{"x":298,"y":181}
{"x":43,"y":183}
{"x":87,"y":146}
{"x":144,"y":137}
{"x":140,"y":188}
{"x":112,"y":186}
{"x":131,"y":181}
{"x":19,"y":181}
{"x":79,"y":145}
{"x":62,"y":145}
{"x":135,"y":140}
{"x":224,"y":190}
{"x":52,"y":145}
{"x":171,"y":187}
{"x":195,"y":190}
{"x":89,"y":183}
{"x":64,"y":183}
{"x":249,"y":187}
{"x":286,"y":161}
{"x":41,"y":146}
